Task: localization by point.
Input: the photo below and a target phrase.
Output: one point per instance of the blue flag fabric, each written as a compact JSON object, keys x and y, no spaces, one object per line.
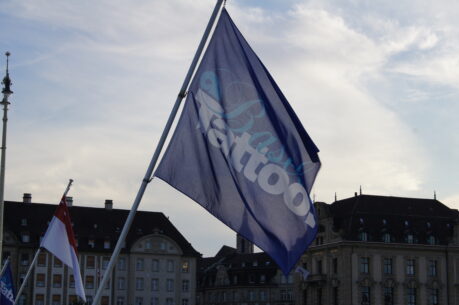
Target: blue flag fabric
{"x":7,"y":293}
{"x":240,"y":151}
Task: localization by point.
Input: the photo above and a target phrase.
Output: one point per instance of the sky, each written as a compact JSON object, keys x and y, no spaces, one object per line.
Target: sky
{"x":375,"y":84}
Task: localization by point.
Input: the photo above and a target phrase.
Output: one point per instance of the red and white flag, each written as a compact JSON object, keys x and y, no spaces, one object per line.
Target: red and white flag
{"x":60,"y":241}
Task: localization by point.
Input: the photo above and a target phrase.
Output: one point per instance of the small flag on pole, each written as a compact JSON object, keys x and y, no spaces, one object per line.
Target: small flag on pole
{"x":241,"y":152}
{"x":7,"y":293}
{"x":304,"y":273}
{"x":60,"y":241}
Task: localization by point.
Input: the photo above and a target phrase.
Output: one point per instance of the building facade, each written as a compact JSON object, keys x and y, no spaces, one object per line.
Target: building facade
{"x":383,"y":251}
{"x":157,"y":265}
{"x":240,"y":276}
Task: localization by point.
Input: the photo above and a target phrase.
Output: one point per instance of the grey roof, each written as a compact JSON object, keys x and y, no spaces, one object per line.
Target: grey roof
{"x":99,"y":224}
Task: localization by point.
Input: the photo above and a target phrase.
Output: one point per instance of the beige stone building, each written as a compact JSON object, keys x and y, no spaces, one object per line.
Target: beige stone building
{"x":156,"y":266}
{"x":382,"y":251}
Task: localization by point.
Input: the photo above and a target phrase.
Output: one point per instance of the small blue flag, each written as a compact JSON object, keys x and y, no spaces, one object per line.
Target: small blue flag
{"x":7,"y":293}
{"x":240,"y":151}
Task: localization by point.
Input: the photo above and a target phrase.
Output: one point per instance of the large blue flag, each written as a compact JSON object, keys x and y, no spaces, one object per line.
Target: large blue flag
{"x":7,"y":293}
{"x":240,"y":151}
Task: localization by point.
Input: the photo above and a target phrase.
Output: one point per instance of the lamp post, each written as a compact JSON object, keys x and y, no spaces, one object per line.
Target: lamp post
{"x":6,"y":93}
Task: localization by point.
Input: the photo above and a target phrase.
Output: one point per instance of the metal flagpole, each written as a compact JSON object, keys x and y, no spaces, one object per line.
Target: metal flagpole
{"x":162,"y":140}
{"x":36,"y":256}
{"x":6,"y":93}
{"x":4,"y":266}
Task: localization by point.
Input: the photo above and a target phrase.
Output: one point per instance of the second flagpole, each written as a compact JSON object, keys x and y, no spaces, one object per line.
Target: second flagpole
{"x":157,"y":152}
{"x":32,"y":264}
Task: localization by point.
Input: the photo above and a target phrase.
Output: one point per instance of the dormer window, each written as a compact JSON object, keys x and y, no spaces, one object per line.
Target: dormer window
{"x":91,"y":243}
{"x":386,"y":238}
{"x":25,"y":237}
{"x":363,"y":236}
{"x":431,"y":240}
{"x":409,"y":238}
{"x":384,"y":222}
{"x":107,"y":243}
{"x":148,"y":244}
{"x":24,"y":222}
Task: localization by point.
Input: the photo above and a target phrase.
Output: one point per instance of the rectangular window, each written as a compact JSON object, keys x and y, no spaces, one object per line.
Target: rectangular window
{"x":56,"y":299}
{"x":286,"y":295}
{"x":57,"y":281}
{"x":169,"y":301}
{"x":139,"y":266}
{"x":39,"y":299}
{"x":433,"y":296}
{"x":185,"y":285}
{"x":319,"y":267}
{"x":262,"y":295}
{"x":154,"y":301}
{"x":185,"y":302}
{"x":170,"y":285}
{"x":89,"y":282}
{"x":24,"y":259}
{"x":120,"y":301}
{"x":57,"y":263}
{"x":90,"y":262}
{"x":139,"y":283}
{"x":364,"y":265}
{"x":105,"y":261}
{"x":170,"y":265}
{"x":185,"y":267}
{"x":365,"y":295}
{"x":41,"y":280}
{"x":155,"y":265}
{"x":121,"y":283}
{"x":410,"y":267}
{"x":388,"y":296}
{"x":107,"y":244}
{"x":138,"y":301}
{"x":122,"y":263}
{"x":335,"y":265}
{"x":387,"y":265}
{"x":72,"y":299}
{"x":104,"y":300}
{"x":41,"y":260}
{"x":432,"y":267}
{"x":335,"y":296}
{"x":154,"y":284}
{"x":411,"y":296}
{"x":71,"y":281}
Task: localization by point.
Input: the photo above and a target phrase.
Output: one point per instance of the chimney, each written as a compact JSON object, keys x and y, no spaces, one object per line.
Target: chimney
{"x":27,"y":198}
{"x":355,"y":194}
{"x":108,"y":204}
{"x":69,"y":201}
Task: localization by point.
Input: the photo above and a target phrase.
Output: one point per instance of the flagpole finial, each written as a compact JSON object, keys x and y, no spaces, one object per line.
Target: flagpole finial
{"x":435,"y":195}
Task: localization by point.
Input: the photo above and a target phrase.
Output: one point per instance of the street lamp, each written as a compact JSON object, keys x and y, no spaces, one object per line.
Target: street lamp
{"x":6,"y":93}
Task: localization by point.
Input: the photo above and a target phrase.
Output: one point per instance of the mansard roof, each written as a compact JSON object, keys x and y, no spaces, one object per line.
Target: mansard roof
{"x":97,"y":224}
{"x":397,"y":216}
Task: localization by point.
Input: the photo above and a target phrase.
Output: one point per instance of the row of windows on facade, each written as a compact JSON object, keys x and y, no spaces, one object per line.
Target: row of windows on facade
{"x":56,"y":300}
{"x":252,"y":279}
{"x":411,"y":296}
{"x":388,"y":296}
{"x":90,"y":282}
{"x":250,"y":295}
{"x":387,"y":265}
{"x":25,"y":238}
{"x":409,"y":238}
{"x":90,"y":263}
{"x":410,"y":266}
